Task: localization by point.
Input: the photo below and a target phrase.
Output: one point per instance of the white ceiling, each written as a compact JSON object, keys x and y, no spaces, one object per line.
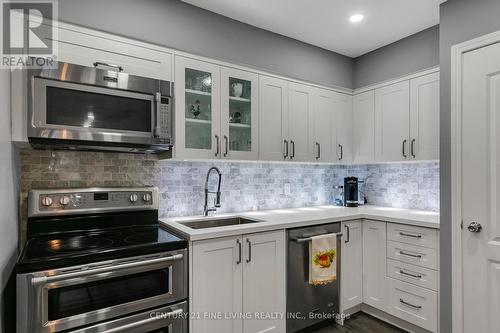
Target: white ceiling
{"x":325,"y":23}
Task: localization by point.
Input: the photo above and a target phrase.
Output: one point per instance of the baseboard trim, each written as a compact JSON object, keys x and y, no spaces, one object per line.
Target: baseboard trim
{"x":392,"y":320}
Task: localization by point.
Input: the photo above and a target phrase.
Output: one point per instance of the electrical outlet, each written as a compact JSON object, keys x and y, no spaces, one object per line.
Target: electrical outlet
{"x":288,"y":190}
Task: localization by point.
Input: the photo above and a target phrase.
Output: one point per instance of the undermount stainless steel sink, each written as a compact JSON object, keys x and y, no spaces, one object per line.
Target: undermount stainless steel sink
{"x":217,"y":222}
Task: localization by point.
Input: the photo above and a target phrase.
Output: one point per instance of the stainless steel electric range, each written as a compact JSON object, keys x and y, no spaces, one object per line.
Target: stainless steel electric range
{"x":96,"y":260}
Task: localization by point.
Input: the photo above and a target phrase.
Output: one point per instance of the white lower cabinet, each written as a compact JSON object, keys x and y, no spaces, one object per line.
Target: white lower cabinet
{"x":414,"y":304}
{"x":217,"y":284}
{"x":238,"y":275}
{"x":374,"y":264}
{"x":352,"y":264}
{"x":264,"y":287}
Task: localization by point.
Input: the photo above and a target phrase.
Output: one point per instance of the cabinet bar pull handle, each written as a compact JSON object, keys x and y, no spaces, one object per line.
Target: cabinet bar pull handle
{"x":348,"y":237}
{"x":249,"y":251}
{"x":412,"y":148}
{"x":341,"y":152}
{"x":417,"y":276}
{"x":410,"y":254}
{"x":98,"y":63}
{"x":217,"y":145}
{"x":226,"y":144}
{"x":239,"y":252}
{"x":402,"y":301}
{"x":404,"y":148}
{"x":410,"y":235}
{"x":285,"y":142}
{"x":292,"y":155}
{"x":318,"y":151}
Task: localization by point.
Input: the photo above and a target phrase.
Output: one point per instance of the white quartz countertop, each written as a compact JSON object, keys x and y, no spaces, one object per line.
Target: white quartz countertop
{"x":298,"y":217}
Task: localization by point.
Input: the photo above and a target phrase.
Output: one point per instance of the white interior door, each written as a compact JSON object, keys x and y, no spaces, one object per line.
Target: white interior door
{"x":424,"y":117}
{"x":300,"y":108}
{"x":323,"y":132}
{"x":480,"y":165}
{"x":273,"y":109}
{"x":392,"y":122}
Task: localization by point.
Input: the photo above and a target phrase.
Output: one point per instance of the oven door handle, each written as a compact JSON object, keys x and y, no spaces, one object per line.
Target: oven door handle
{"x":140,"y":323}
{"x":81,"y":273}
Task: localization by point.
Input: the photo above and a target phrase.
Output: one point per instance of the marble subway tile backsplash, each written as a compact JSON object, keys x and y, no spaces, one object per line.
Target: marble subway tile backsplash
{"x":245,"y":185}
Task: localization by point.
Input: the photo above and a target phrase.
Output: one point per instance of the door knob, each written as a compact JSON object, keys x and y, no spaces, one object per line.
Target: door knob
{"x":474,"y":227}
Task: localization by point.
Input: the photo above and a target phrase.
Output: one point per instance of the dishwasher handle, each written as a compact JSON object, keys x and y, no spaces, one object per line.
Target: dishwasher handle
{"x":307,"y":239}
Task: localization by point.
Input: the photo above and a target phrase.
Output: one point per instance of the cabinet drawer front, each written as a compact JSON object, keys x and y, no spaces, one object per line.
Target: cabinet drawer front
{"x":420,"y":256}
{"x":413,"y":304}
{"x":417,"y":275}
{"x":412,"y":235}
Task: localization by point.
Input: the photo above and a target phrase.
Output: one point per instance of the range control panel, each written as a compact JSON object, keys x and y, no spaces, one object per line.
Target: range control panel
{"x":54,"y":202}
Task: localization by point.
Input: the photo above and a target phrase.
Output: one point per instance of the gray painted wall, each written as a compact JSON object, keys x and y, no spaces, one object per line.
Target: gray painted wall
{"x":408,"y":55}
{"x":175,"y":24}
{"x":461,"y":20}
{"x":8,"y":192}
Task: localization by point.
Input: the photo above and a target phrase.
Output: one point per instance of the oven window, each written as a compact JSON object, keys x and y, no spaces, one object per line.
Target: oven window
{"x":69,"y":107}
{"x":72,"y":300}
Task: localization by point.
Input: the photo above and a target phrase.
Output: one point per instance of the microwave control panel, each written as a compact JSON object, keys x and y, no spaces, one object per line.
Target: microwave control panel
{"x":164,"y":119}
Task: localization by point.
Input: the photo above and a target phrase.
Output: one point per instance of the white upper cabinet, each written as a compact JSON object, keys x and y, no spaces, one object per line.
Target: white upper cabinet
{"x":273,"y":127}
{"x":300,"y":108}
{"x":90,"y":48}
{"x":424,"y":117}
{"x":343,"y":123}
{"x":392,"y":119}
{"x":364,"y":127}
{"x":323,"y":130}
{"x":197,"y":109}
{"x":239,"y":116}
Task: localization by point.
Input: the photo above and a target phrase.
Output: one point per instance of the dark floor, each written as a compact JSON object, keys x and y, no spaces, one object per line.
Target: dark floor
{"x":361,"y":323}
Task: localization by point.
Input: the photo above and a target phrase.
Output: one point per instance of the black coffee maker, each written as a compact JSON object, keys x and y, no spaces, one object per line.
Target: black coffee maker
{"x":351,"y":192}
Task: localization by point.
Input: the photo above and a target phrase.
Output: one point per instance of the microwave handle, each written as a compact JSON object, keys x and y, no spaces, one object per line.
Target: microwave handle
{"x":117,"y":67}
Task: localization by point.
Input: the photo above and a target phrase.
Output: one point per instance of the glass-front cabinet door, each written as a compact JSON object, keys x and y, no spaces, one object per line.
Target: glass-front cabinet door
{"x":197,"y":105}
{"x":239,"y":114}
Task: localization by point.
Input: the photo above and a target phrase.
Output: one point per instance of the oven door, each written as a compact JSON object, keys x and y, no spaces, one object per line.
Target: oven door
{"x":68,"y":298}
{"x":80,"y":112}
{"x":167,"y":319}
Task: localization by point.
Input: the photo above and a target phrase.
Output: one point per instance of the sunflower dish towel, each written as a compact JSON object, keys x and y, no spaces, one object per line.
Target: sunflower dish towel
{"x":323,"y":259}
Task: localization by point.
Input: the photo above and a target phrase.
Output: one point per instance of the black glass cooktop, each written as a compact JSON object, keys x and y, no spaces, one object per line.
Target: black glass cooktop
{"x":75,"y":248}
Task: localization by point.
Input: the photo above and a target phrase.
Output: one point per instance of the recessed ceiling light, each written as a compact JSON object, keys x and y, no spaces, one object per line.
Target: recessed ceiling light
{"x":356,"y":18}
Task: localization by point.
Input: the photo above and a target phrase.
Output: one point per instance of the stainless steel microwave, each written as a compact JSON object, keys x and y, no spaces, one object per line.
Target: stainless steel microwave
{"x":98,"y":108}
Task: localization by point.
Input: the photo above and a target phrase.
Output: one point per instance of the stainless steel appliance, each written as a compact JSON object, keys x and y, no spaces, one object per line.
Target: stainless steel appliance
{"x":96,"y":260}
{"x":351,"y":192}
{"x":98,"y":108}
{"x":307,"y":305}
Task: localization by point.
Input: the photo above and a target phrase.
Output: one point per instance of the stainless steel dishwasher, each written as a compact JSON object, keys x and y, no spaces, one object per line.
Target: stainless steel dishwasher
{"x":306,"y":304}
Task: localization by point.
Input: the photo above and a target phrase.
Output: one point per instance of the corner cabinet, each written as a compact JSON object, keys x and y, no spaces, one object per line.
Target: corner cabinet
{"x":343,"y":124}
{"x":364,"y":129}
{"x":216,"y":111}
{"x":234,"y":275}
